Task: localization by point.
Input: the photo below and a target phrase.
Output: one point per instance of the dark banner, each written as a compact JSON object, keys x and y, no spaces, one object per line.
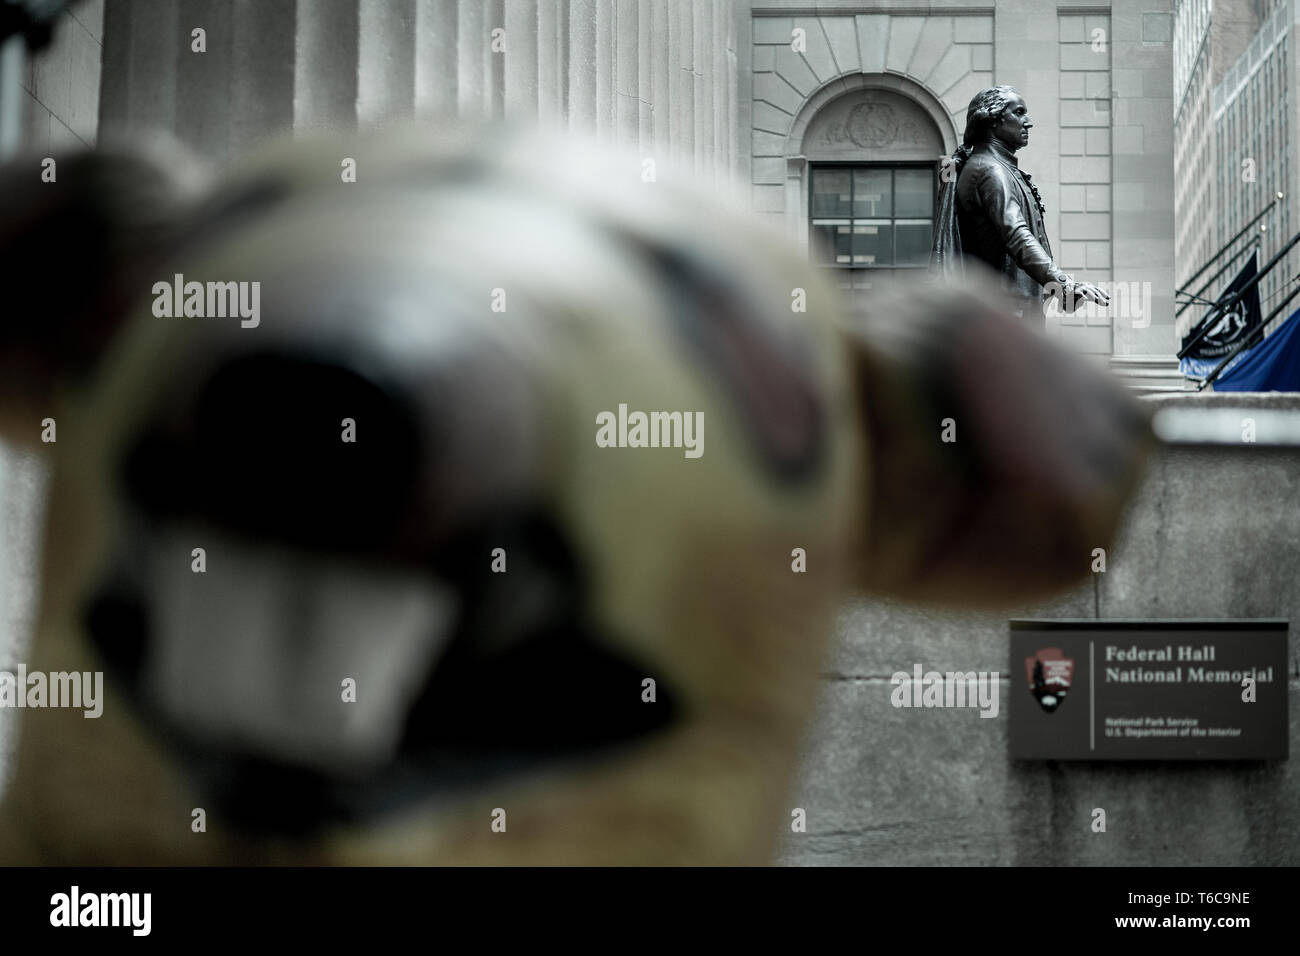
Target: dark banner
{"x":1226,"y":331}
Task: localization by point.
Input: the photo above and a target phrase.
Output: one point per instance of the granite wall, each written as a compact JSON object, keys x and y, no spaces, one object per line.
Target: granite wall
{"x":1212,"y":534}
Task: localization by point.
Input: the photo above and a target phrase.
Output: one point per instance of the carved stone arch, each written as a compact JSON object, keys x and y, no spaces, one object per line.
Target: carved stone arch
{"x":860,"y":86}
{"x":862,"y":115}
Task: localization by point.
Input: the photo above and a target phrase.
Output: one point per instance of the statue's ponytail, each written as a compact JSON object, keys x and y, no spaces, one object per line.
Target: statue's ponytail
{"x":959,"y":157}
{"x":945,"y":251}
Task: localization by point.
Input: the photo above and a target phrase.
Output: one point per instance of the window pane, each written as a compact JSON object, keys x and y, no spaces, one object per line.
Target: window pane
{"x":873,"y":243}
{"x":870,"y":222}
{"x":871,"y":193}
{"x":830,"y":195}
{"x":833,"y":242}
{"x":913,"y":241}
{"x":913,"y":192}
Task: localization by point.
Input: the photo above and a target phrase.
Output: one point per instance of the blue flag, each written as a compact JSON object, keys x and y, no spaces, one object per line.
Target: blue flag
{"x":1271,"y":366}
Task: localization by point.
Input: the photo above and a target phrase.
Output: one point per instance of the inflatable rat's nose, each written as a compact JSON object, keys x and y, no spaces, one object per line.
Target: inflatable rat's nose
{"x":286,"y":447}
{"x":1002,"y":460}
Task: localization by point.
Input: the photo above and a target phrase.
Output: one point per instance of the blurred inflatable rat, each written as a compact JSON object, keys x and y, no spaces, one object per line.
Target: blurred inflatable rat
{"x":490,"y":508}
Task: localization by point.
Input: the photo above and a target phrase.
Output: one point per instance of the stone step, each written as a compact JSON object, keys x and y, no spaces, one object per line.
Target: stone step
{"x":1150,"y":374}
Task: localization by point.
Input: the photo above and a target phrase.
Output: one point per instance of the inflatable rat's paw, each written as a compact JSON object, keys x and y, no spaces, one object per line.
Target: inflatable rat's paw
{"x":1001,"y":462}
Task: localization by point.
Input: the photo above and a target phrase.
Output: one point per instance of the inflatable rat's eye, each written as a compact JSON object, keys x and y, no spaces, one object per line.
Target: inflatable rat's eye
{"x":117,"y":622}
{"x":768,"y":377}
{"x":283,"y":447}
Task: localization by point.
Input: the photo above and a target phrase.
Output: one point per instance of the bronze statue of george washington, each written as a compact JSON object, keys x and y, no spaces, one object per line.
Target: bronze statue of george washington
{"x":991,"y":211}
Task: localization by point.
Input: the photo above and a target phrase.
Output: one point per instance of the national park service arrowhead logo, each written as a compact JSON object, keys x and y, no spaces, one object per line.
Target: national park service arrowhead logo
{"x":1049,"y":674}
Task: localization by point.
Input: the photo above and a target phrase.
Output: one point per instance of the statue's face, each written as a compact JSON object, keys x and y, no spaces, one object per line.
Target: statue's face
{"x":1012,"y":131}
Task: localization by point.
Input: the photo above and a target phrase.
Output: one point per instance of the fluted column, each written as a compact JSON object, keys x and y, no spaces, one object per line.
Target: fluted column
{"x":496,"y":62}
{"x":703,"y":76}
{"x":721,"y":84}
{"x":472,"y":51}
{"x":660,"y":77}
{"x":385,"y":60}
{"x":140,"y":48}
{"x":582,"y":66}
{"x":115,"y":83}
{"x":552,"y":62}
{"x":325,"y":65}
{"x":262,"y":64}
{"x":480,"y":72}
{"x":644,"y":79}
{"x":436,"y":73}
{"x":627,"y":42}
{"x":202,"y":118}
{"x":681,"y":89}
{"x":606,"y":12}
{"x":522,"y":40}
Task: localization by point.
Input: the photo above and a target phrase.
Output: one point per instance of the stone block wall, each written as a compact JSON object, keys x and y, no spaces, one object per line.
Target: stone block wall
{"x":61,"y":83}
{"x":1211,"y":534}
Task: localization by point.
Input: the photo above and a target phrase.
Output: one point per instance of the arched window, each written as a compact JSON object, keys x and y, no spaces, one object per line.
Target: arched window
{"x":870,"y":181}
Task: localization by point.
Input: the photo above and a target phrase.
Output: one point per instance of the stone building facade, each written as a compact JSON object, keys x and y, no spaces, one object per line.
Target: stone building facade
{"x":770,"y":94}
{"x":1097,"y":82}
{"x":1236,"y":128}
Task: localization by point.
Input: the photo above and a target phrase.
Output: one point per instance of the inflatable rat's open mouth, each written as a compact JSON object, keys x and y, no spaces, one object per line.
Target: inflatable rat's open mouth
{"x":302,"y":689}
{"x":302,"y":595}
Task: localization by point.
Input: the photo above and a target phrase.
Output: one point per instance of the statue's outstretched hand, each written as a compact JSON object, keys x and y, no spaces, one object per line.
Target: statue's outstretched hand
{"x":1086,"y":290}
{"x":1073,"y":294}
